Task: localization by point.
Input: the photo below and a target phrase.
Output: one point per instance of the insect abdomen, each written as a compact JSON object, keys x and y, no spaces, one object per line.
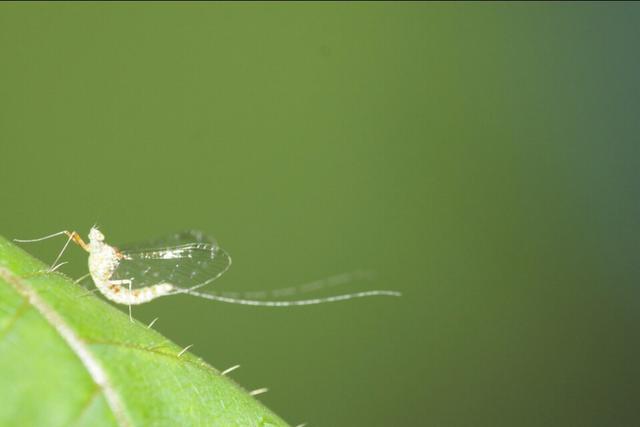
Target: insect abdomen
{"x":123,"y":295}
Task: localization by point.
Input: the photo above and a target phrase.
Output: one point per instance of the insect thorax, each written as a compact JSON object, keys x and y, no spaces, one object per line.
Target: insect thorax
{"x":103,"y":261}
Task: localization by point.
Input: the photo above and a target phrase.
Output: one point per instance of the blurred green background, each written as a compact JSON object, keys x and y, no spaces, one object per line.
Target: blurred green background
{"x":481,"y":158}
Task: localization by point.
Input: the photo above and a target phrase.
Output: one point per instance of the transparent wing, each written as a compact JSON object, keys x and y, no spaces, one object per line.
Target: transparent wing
{"x":175,"y":239}
{"x":186,"y":260}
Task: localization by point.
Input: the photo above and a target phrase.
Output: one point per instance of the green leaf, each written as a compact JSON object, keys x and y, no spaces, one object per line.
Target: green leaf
{"x":68,"y":359}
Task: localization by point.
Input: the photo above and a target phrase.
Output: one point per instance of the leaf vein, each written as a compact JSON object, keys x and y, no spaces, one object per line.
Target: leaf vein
{"x":20,"y":311}
{"x":85,"y":406}
{"x":77,"y":345}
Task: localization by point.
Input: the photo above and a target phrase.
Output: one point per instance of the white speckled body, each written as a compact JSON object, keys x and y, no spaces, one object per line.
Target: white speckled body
{"x":103,"y":260}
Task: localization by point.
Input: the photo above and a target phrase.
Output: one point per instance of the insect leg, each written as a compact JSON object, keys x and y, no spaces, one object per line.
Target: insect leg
{"x":128,"y":282}
{"x":77,"y":240}
{"x":130,"y":316}
{"x":72,"y":236}
{"x":39,"y":239}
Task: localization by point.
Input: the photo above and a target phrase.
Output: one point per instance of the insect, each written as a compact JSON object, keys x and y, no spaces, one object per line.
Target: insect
{"x":183,"y":263}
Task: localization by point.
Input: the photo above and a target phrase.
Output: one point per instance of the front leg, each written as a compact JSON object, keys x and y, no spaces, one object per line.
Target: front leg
{"x":77,"y":240}
{"x":72,"y":236}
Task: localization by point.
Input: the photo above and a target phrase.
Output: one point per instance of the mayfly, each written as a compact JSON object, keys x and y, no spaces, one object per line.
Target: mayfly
{"x":184,"y":263}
